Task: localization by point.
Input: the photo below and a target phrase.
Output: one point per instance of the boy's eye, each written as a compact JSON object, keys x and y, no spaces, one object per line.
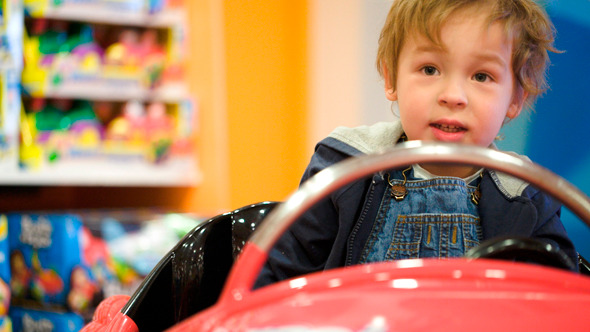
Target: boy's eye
{"x":481,"y":77}
{"x":429,"y":70}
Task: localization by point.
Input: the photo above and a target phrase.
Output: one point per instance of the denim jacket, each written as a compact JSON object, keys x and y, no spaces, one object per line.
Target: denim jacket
{"x":334,"y":232}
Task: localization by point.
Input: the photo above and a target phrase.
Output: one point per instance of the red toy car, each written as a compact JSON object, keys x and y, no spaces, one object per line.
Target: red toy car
{"x":408,"y":295}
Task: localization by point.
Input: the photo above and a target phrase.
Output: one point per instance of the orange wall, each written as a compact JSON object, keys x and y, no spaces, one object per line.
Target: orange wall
{"x":206,"y":78}
{"x":248,"y":67}
{"x":266,"y":60}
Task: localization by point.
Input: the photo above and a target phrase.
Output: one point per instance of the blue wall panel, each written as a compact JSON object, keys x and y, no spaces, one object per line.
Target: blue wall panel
{"x":557,"y":133}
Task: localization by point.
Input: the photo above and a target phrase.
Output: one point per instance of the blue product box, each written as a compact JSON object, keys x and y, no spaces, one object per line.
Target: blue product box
{"x":47,"y":261}
{"x":38,"y":320}
{"x":5,"y":324}
{"x":4,"y":266}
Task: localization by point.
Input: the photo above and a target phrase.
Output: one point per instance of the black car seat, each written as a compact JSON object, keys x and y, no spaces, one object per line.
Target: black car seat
{"x":583,"y":265}
{"x":191,"y":276}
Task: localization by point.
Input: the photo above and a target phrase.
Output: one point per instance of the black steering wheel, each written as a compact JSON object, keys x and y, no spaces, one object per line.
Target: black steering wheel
{"x":523,"y":250}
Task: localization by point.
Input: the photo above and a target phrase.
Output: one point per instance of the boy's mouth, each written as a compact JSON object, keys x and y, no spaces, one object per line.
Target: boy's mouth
{"x":448,"y":128}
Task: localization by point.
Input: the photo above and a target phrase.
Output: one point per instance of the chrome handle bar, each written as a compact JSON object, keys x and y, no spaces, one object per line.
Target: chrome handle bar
{"x":408,"y":153}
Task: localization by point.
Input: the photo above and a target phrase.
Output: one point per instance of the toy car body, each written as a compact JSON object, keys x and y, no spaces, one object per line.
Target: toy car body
{"x":460,"y":294}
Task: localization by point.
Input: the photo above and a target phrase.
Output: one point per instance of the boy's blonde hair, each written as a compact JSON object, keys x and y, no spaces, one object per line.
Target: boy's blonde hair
{"x":525,"y":22}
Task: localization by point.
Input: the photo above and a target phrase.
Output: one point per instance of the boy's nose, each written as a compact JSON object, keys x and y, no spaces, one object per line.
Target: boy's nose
{"x":452,"y":96}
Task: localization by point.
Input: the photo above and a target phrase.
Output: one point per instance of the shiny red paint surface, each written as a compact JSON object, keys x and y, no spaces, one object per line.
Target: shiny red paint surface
{"x":108,"y":317}
{"x":412,"y":295}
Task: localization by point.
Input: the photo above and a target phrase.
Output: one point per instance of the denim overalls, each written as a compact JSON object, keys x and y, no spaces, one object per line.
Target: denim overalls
{"x":437,"y":218}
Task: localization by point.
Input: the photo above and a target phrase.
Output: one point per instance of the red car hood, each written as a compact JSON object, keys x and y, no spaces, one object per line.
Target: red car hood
{"x":410,"y":295}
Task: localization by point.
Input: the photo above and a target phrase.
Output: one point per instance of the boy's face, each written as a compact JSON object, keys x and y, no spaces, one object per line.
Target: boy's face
{"x":461,"y":93}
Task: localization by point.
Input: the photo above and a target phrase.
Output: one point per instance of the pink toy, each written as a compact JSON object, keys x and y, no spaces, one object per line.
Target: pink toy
{"x":125,"y":51}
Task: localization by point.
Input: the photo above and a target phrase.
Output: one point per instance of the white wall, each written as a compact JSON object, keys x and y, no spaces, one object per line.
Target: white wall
{"x":375,"y":106}
{"x":345,"y":87}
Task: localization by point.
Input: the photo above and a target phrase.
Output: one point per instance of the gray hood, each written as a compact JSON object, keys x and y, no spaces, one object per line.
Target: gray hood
{"x":381,"y":136}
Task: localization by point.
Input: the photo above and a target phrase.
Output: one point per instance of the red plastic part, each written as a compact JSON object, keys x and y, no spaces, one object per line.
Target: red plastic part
{"x":411,"y":295}
{"x":108,"y":317}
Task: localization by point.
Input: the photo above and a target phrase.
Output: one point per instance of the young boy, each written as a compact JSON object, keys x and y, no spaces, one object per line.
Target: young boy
{"x":458,"y":69}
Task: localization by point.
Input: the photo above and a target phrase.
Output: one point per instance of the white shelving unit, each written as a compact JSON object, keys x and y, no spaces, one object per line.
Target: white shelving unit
{"x":181,"y":171}
{"x":97,"y":91}
{"x":100,"y":172}
{"x":93,"y":13}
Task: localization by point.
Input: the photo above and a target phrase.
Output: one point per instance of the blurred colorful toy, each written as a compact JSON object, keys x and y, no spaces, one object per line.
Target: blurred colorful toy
{"x":6,"y":324}
{"x":21,"y":275}
{"x":83,"y":290}
{"x":142,"y":248}
{"x":159,"y":127}
{"x":30,"y":153}
{"x":86,"y":132}
{"x":4,"y":298}
{"x":153,"y":57}
{"x":124,"y":52}
{"x":45,"y":282}
{"x":129,"y":126}
{"x":90,"y":58}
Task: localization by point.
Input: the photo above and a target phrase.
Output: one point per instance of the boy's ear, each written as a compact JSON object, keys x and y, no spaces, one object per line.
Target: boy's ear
{"x":390,"y":92}
{"x":517,"y":104}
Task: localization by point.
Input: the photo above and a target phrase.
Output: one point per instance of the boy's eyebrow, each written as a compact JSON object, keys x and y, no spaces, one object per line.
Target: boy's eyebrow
{"x":483,"y":56}
{"x":491,"y":57}
{"x":430,"y":48}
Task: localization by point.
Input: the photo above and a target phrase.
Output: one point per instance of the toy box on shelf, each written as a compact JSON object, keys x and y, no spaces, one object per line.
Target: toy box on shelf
{"x":59,"y":271}
{"x":70,"y":261}
{"x":64,"y":130}
{"x":28,"y":319}
{"x":59,"y":265}
{"x":53,"y":264}
{"x":72,"y":59}
{"x":5,"y":321}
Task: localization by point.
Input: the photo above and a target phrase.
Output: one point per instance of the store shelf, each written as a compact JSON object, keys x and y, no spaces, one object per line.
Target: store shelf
{"x":177,"y":172}
{"x":115,"y":91}
{"x":77,"y":76}
{"x":99,"y":13}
